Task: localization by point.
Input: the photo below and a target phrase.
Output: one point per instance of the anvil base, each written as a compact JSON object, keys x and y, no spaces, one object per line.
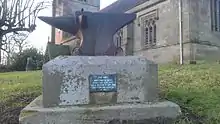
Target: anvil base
{"x":137,"y":113}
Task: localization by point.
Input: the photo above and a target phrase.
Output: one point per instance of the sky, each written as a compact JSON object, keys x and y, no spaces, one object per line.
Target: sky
{"x":39,"y":37}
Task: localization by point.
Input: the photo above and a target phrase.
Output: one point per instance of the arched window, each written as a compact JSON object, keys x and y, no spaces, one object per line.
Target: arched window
{"x":146,"y":34}
{"x":119,"y":38}
{"x":154,"y":33}
{"x":150,"y":35}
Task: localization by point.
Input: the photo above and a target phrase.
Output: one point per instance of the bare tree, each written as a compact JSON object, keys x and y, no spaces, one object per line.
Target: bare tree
{"x":18,"y":16}
{"x":19,"y":41}
{"x":15,"y":43}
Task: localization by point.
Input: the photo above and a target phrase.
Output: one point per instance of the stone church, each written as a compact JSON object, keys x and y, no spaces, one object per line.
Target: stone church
{"x":164,"y":30}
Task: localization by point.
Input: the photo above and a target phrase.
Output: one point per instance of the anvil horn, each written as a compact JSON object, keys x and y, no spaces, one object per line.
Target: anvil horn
{"x":67,"y":24}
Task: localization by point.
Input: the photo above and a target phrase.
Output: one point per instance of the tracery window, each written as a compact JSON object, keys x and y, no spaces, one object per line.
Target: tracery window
{"x":215,"y":15}
{"x":149,"y":31}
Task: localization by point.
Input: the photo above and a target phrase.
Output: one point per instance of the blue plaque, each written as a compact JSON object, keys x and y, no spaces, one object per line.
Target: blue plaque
{"x":103,"y":83}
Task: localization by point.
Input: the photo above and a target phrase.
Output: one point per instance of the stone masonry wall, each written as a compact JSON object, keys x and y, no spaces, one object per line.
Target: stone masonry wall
{"x":167,"y":30}
{"x":206,"y":43}
{"x":200,"y":42}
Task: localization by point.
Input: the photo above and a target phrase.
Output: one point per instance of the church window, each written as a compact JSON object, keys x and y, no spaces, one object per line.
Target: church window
{"x":150,"y":32}
{"x":119,"y":38}
{"x":215,"y":15}
{"x":146,"y":36}
{"x":155,"y":33}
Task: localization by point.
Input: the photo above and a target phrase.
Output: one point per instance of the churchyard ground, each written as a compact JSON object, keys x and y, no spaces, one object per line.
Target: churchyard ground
{"x":196,"y":88}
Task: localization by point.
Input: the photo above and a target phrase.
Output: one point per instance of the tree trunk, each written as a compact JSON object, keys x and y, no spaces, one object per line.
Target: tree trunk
{"x":20,"y":49}
{"x":8,"y":59}
{"x":9,"y":54}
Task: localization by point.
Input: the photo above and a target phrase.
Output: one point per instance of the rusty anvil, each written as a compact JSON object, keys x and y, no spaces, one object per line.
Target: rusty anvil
{"x":95,"y":29}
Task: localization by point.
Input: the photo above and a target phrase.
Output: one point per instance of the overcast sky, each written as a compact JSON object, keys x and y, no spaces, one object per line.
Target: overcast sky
{"x":40,"y":36}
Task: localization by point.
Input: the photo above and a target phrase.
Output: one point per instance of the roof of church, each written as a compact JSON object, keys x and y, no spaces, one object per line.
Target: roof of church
{"x":122,"y":6}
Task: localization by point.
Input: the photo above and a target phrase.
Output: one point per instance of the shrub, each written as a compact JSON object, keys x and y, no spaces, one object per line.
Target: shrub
{"x":4,"y":68}
{"x":19,"y":60}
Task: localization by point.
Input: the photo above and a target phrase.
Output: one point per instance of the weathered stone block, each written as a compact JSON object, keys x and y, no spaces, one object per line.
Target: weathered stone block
{"x":140,"y":113}
{"x":66,"y":80}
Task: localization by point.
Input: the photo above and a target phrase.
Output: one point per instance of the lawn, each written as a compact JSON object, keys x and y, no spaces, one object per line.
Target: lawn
{"x":17,"y":89}
{"x":196,"y":88}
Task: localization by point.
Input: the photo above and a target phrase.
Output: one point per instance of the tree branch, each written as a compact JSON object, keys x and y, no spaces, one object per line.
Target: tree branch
{"x":16,"y":30}
{"x":17,"y":16}
{"x":17,"y":13}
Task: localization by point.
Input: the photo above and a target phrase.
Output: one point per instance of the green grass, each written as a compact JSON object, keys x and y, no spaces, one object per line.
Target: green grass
{"x":196,"y":88}
{"x":17,"y":89}
{"x":17,"y":84}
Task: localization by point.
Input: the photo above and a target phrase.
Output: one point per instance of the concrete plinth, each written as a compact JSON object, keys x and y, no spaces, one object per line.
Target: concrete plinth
{"x":100,"y":90}
{"x":144,"y":113}
{"x":66,"y":80}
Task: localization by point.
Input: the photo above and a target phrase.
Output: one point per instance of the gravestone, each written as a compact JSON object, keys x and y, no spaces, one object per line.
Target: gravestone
{"x":93,"y":88}
{"x":29,"y":64}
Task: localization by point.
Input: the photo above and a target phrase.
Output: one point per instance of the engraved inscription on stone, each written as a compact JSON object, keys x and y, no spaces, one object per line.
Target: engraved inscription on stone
{"x":103,"y":83}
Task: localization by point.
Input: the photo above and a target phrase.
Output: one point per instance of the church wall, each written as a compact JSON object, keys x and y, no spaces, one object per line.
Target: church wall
{"x":59,"y":12}
{"x":205,"y":52}
{"x":169,"y":54}
{"x":127,"y":39}
{"x":167,"y":47}
{"x":205,"y":41}
{"x":129,"y":44}
{"x":71,"y":6}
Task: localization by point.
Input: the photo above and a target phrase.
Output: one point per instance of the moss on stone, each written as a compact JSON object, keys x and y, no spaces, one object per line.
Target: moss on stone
{"x":28,"y":113}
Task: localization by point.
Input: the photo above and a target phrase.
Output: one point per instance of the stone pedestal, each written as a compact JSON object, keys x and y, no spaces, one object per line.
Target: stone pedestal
{"x":99,"y":90}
